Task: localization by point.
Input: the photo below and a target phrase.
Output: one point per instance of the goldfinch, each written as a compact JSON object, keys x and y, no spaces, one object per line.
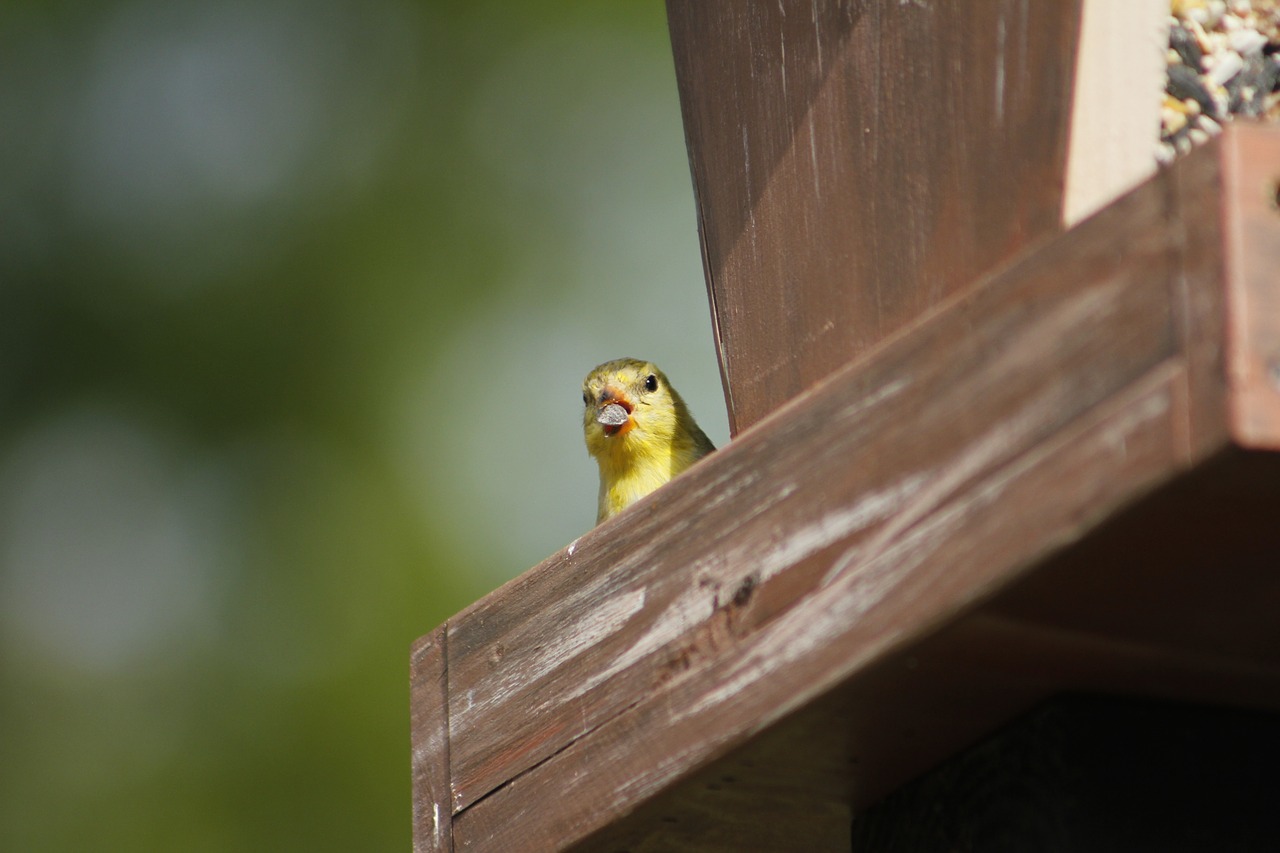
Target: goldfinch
{"x":639,"y":431}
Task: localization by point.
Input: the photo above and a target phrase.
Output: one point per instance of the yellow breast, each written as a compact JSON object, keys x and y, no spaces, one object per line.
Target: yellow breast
{"x":638,"y":430}
{"x":628,"y":473}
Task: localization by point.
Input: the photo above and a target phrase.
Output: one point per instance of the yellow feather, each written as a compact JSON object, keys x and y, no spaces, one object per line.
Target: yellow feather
{"x":658,"y":440}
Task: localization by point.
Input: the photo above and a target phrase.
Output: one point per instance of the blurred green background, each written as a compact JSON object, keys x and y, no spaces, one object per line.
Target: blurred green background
{"x":295,"y":303}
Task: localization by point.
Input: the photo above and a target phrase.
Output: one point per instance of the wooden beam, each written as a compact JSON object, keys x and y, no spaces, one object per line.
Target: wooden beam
{"x":864,"y":460}
{"x":884,"y":556}
{"x":1251,"y":183}
{"x":429,"y":730}
{"x":857,"y":164}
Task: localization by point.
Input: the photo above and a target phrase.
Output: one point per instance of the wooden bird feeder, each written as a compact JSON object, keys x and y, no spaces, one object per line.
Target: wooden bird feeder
{"x":1003,"y":498}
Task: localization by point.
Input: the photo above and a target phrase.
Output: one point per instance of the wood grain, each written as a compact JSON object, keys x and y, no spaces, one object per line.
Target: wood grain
{"x":1190,"y":572}
{"x":1041,"y":485}
{"x":641,"y":598}
{"x":1198,"y":246}
{"x":1252,"y":186}
{"x":865,"y":523}
{"x":857,"y":163}
{"x":429,"y":726}
{"x":880,"y":603}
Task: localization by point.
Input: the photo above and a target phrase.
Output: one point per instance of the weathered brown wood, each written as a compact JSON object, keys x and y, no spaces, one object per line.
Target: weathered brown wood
{"x":889,"y":596}
{"x":1198,"y":245}
{"x":1200,"y":556}
{"x":894,"y":719}
{"x":1252,"y":185}
{"x":1190,"y":572}
{"x":865,"y":160}
{"x":429,"y":724}
{"x":822,"y":761}
{"x":1038,"y":345}
{"x":852,"y":531}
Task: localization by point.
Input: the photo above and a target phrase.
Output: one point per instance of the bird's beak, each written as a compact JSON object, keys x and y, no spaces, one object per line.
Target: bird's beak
{"x":614,"y":413}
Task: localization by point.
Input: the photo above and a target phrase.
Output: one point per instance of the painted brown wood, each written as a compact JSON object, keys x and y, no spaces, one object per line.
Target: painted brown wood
{"x":1173,"y":597}
{"x":1038,"y":346}
{"x":1199,"y":247}
{"x":856,"y":559}
{"x":885,"y":601}
{"x":857,"y":163}
{"x":429,"y":731}
{"x":1252,"y":187}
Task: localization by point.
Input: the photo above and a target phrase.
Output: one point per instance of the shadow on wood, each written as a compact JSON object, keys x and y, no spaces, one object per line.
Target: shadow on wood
{"x":1043,"y":485}
{"x":857,"y":163}
{"x":1095,"y":775}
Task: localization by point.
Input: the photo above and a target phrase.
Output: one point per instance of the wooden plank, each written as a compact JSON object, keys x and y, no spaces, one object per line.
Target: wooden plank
{"x":876,"y":504}
{"x":1198,"y":243}
{"x":896,"y":718}
{"x":1252,"y":186}
{"x":851,"y":747}
{"x":838,"y":471}
{"x":857,"y":164}
{"x":1189,"y":575}
{"x":901,"y":712}
{"x":1115,"y":115}
{"x":883,"y":601}
{"x":837,"y":599}
{"x":429,"y":731}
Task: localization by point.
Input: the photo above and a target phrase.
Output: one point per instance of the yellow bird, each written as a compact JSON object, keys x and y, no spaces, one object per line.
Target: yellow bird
{"x":639,"y":431}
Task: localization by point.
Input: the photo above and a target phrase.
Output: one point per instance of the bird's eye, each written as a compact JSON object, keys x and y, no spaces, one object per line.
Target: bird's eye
{"x":651,"y":382}
{"x":586,"y":399}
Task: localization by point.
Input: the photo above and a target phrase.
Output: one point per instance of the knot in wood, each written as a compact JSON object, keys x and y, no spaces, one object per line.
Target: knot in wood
{"x":742,"y":594}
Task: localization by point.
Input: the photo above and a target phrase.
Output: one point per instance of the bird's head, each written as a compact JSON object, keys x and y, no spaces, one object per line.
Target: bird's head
{"x":627,"y":404}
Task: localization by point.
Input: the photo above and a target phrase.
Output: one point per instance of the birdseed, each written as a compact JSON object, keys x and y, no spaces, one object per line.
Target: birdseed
{"x":1223,"y":61}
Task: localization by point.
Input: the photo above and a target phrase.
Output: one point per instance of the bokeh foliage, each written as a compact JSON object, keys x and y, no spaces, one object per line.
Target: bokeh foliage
{"x":295,"y":299}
